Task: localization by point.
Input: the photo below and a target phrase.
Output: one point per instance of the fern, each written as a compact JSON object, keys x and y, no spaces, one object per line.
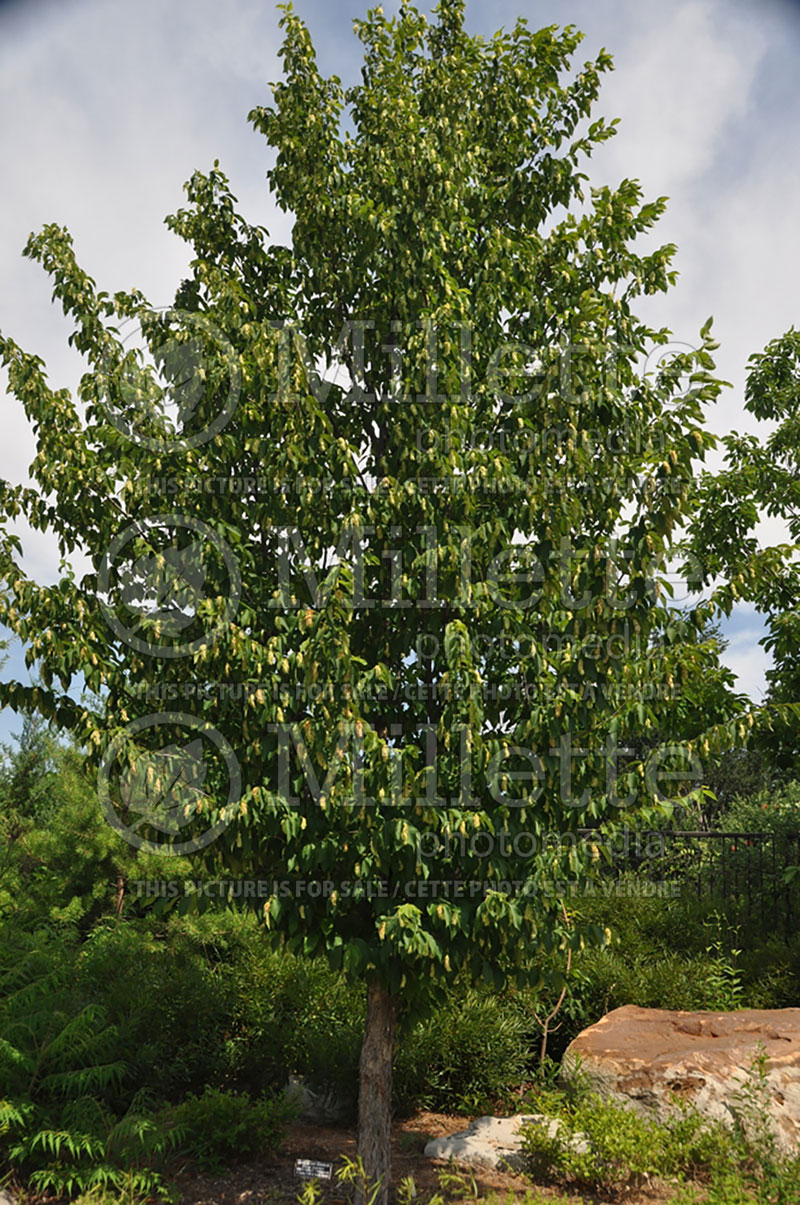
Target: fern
{"x":58,"y":1123}
{"x":81,"y":1080}
{"x":13,"y":1115}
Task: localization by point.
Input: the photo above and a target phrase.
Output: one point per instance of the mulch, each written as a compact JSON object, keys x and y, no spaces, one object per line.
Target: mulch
{"x":273,"y":1182}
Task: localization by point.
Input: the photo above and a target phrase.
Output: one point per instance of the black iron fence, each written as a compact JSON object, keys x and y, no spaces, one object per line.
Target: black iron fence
{"x":744,"y":873}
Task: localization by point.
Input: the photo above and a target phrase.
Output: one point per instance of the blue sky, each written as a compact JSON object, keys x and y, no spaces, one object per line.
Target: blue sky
{"x":107,"y":109}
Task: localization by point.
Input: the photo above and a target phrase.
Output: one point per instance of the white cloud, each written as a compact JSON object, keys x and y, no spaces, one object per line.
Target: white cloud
{"x":683,"y":80}
{"x":743,"y":630}
{"x":749,"y":662}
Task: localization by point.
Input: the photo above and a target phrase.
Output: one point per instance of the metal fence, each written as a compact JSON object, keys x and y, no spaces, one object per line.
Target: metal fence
{"x":742,"y":873}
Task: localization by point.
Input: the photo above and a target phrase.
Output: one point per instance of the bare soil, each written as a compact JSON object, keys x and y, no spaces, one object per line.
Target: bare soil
{"x":273,"y":1182}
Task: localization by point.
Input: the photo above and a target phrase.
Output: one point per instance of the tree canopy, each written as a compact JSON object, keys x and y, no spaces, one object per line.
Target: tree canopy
{"x":760,"y":479}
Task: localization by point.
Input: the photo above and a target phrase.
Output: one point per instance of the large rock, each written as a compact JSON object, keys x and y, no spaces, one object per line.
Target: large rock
{"x":491,"y":1141}
{"x":650,"y":1057}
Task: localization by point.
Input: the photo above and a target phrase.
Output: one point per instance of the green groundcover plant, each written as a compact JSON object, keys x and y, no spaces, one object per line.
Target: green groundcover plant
{"x":604,"y":1146}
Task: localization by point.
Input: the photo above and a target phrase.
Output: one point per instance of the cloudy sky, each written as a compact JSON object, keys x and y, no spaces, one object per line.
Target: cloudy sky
{"x":106,"y":108}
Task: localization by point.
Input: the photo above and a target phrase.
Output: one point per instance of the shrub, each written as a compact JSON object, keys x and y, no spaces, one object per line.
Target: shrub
{"x":604,"y":1146}
{"x":297,"y":1017}
{"x":173,"y":1005}
{"x":60,"y":1071}
{"x":472,"y":1051}
{"x":220,"y":1127}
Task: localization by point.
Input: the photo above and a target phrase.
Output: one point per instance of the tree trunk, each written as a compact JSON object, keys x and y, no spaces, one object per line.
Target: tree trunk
{"x":375,"y":1094}
{"x":120,"y":896}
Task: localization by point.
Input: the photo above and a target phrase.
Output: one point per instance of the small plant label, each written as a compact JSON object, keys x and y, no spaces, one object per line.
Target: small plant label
{"x":311,"y":1169}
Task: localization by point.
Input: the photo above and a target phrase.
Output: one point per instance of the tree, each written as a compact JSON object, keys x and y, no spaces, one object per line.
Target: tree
{"x":388,"y":511}
{"x":706,"y":698}
{"x":27,"y":772}
{"x":760,"y":478}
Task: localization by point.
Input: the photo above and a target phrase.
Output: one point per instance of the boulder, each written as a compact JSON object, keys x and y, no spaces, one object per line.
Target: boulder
{"x":651,"y":1058}
{"x":491,"y":1141}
